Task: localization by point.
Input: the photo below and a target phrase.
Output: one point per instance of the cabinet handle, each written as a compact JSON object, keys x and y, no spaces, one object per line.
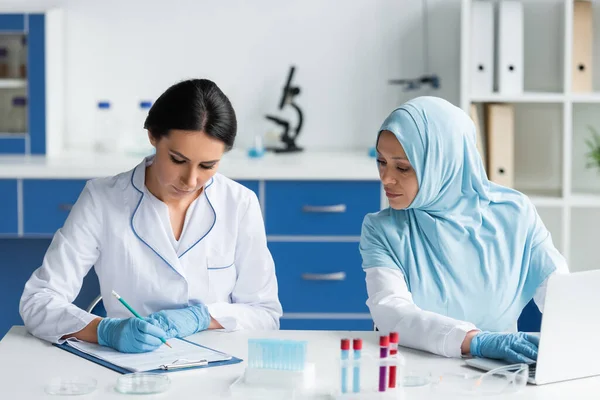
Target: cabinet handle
{"x":338,"y":208}
{"x":334,"y":276}
{"x":65,"y":206}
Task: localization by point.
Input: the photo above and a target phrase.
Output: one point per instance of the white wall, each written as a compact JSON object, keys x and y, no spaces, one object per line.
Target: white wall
{"x":344,"y":52}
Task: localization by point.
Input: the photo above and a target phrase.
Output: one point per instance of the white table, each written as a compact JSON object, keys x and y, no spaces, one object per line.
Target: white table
{"x":27,"y":364}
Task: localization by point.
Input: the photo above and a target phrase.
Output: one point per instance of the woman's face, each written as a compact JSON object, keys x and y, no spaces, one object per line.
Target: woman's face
{"x":397,"y":175}
{"x":184,"y":162}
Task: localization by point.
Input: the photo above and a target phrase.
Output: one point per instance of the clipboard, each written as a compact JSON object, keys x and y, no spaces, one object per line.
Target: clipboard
{"x":177,"y":365}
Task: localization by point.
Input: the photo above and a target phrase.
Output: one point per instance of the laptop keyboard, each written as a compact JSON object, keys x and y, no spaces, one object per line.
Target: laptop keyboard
{"x":532,"y":370}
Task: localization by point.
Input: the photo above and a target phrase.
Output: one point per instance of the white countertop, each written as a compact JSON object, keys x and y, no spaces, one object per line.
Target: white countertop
{"x":308,"y":165}
{"x":28,"y":364}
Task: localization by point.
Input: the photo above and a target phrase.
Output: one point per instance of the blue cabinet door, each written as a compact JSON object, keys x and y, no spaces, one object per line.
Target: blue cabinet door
{"x":326,"y":324}
{"x":319,"y":277}
{"x":47,"y":202}
{"x":9,"y":208}
{"x":319,"y":208}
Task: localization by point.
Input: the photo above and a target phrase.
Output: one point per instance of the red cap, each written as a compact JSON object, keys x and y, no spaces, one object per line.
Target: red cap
{"x":394,"y":337}
{"x":384,"y":341}
{"x":345,"y":344}
{"x":357,"y":344}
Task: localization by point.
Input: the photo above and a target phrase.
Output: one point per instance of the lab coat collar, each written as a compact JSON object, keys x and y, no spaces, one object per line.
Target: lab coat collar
{"x":201,"y":222}
{"x":144,"y":222}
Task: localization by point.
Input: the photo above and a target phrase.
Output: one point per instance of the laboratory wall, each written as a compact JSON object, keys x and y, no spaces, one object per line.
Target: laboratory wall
{"x":344,"y":52}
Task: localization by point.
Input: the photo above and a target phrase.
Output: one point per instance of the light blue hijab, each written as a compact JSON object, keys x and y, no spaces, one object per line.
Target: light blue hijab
{"x":468,"y":248}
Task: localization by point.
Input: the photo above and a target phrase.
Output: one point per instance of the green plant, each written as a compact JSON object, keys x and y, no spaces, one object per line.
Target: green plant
{"x":594,"y":145}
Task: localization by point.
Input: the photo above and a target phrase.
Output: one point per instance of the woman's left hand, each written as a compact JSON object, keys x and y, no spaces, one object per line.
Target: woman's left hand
{"x":181,"y":322}
{"x":517,"y":347}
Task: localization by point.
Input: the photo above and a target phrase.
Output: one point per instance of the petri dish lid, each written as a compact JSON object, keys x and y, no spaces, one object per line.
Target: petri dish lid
{"x":76,"y":385}
{"x":143,"y":383}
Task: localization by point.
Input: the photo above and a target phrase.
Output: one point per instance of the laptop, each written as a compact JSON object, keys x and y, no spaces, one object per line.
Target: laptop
{"x":569,"y":346}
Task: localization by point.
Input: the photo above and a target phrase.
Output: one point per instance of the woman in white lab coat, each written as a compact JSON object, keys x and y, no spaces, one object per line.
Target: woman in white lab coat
{"x":453,"y":261}
{"x":183,"y":245}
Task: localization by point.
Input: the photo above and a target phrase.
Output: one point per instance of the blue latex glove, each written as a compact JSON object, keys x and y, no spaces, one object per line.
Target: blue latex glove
{"x":129,"y":335}
{"x":515,"y":348}
{"x":181,"y":322}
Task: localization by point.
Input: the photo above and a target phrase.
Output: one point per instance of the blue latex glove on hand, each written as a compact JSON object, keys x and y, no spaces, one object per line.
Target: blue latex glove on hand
{"x":515,"y":348}
{"x":181,"y":322}
{"x":129,"y":335}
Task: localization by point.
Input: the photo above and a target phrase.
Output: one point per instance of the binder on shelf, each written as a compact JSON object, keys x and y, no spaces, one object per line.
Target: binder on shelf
{"x":510,"y":66}
{"x":482,"y":48}
{"x":583,"y":36}
{"x":500,"y":143}
{"x":479,"y":133}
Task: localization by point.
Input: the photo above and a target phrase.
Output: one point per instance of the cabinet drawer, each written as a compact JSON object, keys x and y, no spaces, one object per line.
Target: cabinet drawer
{"x":9,"y":208}
{"x":320,"y":277}
{"x":47,"y":202}
{"x":319,"y":208}
{"x":326,"y":324}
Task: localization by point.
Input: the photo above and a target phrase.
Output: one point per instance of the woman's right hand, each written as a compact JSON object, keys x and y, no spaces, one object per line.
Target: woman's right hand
{"x":517,"y":347}
{"x":129,"y":335}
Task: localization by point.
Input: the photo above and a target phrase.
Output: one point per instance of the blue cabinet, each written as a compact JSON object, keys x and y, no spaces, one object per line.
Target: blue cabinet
{"x":312,"y":232}
{"x":315,"y":248}
{"x":320,"y":277}
{"x":47,"y":202}
{"x":9,"y":207}
{"x":319,"y":208}
{"x":33,"y":27}
{"x":327,"y":324}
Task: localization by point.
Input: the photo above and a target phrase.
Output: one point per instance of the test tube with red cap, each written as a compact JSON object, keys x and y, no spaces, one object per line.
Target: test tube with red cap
{"x":394,"y":338}
{"x":345,"y":346}
{"x":384,"y":342}
{"x":357,"y":347}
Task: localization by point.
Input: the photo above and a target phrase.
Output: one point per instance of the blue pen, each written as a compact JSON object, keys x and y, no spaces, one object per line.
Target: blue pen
{"x":345,"y":350}
{"x":134,"y":312}
{"x":357,"y":347}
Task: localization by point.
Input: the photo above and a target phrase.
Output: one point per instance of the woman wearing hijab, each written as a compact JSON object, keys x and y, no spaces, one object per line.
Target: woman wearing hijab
{"x":455,"y":258}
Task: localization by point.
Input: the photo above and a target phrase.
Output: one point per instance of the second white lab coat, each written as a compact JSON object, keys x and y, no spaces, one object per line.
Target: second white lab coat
{"x":222,"y":259}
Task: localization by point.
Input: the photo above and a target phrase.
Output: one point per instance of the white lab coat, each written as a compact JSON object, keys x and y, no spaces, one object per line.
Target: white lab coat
{"x":222,"y":259}
{"x":393,"y":309}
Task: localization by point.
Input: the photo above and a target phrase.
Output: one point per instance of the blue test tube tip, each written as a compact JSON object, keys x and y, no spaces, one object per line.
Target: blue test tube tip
{"x":345,"y":347}
{"x":357,"y":347}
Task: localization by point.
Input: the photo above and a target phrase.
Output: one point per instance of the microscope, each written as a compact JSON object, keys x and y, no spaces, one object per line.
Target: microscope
{"x":287,"y":97}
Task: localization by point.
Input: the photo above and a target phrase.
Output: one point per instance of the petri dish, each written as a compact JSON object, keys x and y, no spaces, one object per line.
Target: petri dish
{"x":142,"y":383}
{"x":77,"y":385}
{"x":415,"y":378}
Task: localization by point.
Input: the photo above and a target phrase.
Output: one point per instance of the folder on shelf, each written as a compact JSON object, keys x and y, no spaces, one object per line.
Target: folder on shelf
{"x":510,"y":65}
{"x":479,"y":133}
{"x":183,"y":354}
{"x":500,"y":143}
{"x":481,"y":64}
{"x":583,"y":36}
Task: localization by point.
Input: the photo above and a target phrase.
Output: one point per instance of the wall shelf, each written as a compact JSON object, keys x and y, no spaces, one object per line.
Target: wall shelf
{"x":529,"y":97}
{"x":552,"y":124}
